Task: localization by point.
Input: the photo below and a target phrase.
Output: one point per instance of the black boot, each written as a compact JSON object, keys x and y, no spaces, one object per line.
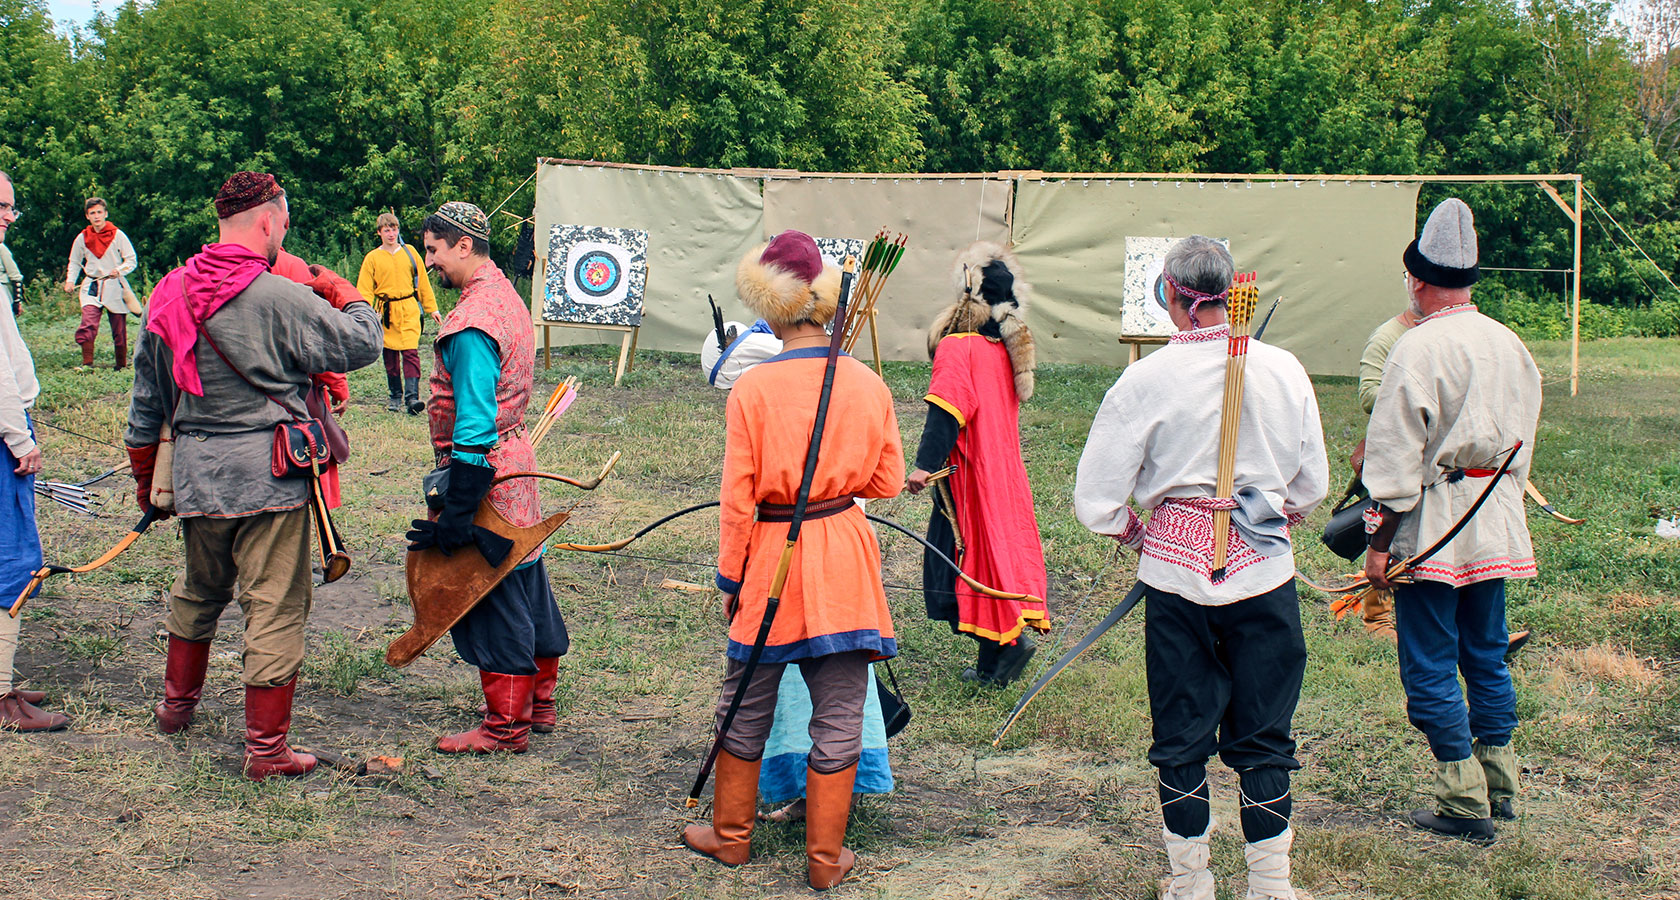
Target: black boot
{"x":395,"y":402}
{"x":1012,"y":660}
{"x":985,"y":665}
{"x":411,"y":396}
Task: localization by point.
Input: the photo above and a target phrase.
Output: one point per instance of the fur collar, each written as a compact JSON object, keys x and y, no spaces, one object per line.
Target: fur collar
{"x":1002,"y":322}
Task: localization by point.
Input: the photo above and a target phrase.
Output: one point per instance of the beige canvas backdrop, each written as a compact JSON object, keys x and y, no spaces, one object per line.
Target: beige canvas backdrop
{"x":941,"y":216}
{"x":698,"y":224}
{"x":1331,"y":249}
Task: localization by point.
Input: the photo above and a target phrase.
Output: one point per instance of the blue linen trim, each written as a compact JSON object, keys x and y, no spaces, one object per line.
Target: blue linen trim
{"x":823,"y":645}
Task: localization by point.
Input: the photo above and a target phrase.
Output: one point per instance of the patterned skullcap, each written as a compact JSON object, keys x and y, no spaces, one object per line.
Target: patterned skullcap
{"x":466,"y":217}
{"x":245,"y":190}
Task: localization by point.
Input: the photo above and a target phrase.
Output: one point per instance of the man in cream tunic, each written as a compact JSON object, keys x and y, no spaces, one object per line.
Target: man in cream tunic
{"x":1458,"y":392}
{"x":100,"y":257}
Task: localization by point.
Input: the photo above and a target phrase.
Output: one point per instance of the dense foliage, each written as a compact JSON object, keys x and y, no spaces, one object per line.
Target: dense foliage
{"x":362,"y":106}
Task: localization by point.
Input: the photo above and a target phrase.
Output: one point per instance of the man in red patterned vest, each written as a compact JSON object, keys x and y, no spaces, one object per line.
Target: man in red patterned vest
{"x":481,"y":383}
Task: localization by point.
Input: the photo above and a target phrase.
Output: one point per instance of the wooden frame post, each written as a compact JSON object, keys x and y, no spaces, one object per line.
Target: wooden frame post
{"x":1575,"y":214}
{"x":1575,"y":326}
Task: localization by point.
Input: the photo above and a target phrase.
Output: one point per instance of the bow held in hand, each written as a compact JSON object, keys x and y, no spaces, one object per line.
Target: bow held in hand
{"x":454,"y":528}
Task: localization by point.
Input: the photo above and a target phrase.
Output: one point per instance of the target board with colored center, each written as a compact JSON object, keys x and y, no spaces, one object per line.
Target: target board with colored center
{"x":596,"y":275}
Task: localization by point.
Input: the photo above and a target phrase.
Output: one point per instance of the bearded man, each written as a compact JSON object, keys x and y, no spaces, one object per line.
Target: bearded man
{"x":481,"y":383}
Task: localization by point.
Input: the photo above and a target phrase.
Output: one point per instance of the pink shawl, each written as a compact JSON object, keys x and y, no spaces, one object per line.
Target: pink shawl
{"x":188,"y":296}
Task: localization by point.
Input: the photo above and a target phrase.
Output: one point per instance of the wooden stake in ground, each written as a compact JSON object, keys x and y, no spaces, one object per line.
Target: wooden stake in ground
{"x":1239,"y":312}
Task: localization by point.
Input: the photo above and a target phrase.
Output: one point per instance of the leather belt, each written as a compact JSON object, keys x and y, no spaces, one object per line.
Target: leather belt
{"x":814,"y":509}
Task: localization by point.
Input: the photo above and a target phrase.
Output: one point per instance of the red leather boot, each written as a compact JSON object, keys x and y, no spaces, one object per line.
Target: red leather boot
{"x":542,"y":695}
{"x":87,"y":354}
{"x":268,"y":716}
{"x":183,"y":683}
{"x":506,"y":728}
{"x":19,"y":714}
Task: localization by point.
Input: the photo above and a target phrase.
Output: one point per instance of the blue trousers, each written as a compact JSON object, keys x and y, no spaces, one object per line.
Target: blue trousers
{"x":20,"y":543}
{"x":1444,"y":631}
{"x":514,"y":625}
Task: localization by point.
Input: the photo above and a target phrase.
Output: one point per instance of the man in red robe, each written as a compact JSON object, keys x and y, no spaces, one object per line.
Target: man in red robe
{"x":983,"y":513}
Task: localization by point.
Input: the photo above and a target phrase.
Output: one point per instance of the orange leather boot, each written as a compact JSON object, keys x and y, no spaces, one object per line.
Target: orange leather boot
{"x":828,"y":807}
{"x":734,"y":808}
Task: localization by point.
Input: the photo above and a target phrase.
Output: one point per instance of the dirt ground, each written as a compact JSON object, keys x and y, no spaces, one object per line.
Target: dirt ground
{"x":111,"y":809}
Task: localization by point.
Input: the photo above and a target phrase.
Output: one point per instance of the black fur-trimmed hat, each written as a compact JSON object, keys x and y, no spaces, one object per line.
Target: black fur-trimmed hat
{"x":1445,"y":253}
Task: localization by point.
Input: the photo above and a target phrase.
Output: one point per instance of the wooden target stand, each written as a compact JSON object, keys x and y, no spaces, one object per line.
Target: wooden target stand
{"x":626,"y":346}
{"x":1136,"y":343}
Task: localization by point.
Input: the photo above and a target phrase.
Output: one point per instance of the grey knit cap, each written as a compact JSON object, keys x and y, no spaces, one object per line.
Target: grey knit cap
{"x":1445,"y":253}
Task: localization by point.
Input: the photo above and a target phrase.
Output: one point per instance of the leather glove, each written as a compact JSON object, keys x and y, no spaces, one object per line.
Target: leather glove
{"x":333,"y":288}
{"x":454,"y":528}
{"x":142,"y":462}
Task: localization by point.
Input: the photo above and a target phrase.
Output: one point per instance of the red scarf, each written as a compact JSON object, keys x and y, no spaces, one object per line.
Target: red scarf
{"x":99,"y":241}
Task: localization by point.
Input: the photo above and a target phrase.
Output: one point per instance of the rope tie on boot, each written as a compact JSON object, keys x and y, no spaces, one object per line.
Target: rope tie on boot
{"x":1190,"y":794}
{"x":1247,"y":803}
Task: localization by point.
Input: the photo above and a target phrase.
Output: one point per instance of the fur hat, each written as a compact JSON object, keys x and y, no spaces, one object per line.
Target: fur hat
{"x":1445,"y":253}
{"x":786,"y":281}
{"x":1001,"y":321}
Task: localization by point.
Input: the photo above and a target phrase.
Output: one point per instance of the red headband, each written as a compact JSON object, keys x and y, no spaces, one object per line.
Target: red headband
{"x":1197,"y":296}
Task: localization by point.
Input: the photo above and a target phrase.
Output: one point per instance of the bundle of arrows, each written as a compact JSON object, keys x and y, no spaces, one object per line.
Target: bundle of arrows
{"x":879,"y":261}
{"x":70,"y":496}
{"x":1244,"y":297}
{"x":558,"y":402}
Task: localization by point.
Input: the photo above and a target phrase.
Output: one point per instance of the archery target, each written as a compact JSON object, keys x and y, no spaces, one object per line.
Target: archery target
{"x":1141,"y":313}
{"x":595,"y":274}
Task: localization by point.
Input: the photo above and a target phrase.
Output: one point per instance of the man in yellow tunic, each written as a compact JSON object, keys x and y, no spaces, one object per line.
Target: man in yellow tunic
{"x":394,"y":281}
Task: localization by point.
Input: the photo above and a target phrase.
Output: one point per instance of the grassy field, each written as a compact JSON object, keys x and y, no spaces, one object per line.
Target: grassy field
{"x":1065,"y":809}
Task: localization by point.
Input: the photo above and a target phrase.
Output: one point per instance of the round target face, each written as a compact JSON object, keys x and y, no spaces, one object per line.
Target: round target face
{"x":596,"y":274}
{"x":1157,"y":290}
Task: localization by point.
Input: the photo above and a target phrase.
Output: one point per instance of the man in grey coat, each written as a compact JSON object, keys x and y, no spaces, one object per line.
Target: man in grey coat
{"x":226,"y":356}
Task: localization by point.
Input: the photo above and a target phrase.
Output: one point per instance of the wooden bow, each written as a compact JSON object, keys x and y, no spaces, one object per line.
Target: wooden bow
{"x":1397,"y":573}
{"x":46,"y":571}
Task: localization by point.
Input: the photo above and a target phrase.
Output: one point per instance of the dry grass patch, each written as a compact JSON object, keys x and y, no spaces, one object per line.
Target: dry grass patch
{"x":1607,"y":664}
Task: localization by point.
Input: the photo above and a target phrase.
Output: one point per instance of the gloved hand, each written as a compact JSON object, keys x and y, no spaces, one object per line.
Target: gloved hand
{"x":142,"y":462}
{"x":454,"y":528}
{"x":333,"y":288}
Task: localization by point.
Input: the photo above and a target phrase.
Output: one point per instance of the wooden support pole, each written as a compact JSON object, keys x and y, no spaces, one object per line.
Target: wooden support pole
{"x":1575,"y":316}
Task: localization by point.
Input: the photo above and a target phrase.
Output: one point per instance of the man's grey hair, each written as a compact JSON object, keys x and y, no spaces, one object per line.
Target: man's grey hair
{"x":1200,"y":264}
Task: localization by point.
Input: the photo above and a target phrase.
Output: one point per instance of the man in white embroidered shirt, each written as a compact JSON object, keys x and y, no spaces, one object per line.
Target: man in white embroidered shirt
{"x":1459,"y":390}
{"x":1224,"y":658}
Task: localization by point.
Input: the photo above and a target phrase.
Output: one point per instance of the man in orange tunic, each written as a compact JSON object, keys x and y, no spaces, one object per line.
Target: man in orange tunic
{"x":982,"y":372}
{"x":833,"y":616}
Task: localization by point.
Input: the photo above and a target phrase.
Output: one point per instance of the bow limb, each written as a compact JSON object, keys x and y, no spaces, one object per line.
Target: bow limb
{"x":588,"y":484}
{"x":1550,"y":510}
{"x":1077,"y":650}
{"x":977,"y":586}
{"x":1399,"y":569}
{"x":116,"y":550}
{"x":625,"y":542}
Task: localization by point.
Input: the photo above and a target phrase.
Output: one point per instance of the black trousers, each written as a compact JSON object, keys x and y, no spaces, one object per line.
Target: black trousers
{"x":515,"y":624}
{"x":1224,"y":679}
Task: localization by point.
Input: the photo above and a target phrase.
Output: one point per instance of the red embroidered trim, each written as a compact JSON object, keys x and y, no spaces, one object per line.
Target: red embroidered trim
{"x":1198,"y":335}
{"x":1132,"y":534}
{"x":1449,"y":311}
{"x":1181,"y":534}
{"x":1486,"y":570}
